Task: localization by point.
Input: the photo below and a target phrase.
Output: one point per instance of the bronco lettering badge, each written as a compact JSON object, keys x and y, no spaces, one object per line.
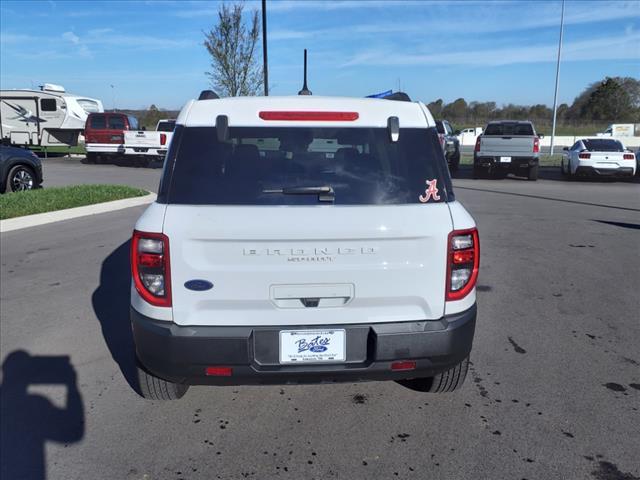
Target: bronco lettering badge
{"x":309,"y":255}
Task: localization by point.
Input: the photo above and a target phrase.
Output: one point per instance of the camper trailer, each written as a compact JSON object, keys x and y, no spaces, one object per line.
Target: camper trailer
{"x":45,"y":118}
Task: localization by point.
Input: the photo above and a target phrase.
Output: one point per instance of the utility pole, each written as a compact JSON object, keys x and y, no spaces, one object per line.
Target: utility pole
{"x":265,"y":68}
{"x":555,"y":95}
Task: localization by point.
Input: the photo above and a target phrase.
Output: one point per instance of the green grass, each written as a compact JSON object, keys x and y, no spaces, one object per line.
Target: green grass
{"x":545,"y":160}
{"x":18,"y":204}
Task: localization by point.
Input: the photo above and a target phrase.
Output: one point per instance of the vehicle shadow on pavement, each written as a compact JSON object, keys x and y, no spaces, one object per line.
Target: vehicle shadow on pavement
{"x":111,"y":305}
{"x":30,"y":419}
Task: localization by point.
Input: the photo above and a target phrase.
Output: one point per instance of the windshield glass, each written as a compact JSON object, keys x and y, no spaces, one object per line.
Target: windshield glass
{"x":361,"y":165}
{"x":89,"y":106}
{"x":603,"y":145}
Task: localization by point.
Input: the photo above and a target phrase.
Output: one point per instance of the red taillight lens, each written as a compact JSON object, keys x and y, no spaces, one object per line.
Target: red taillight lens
{"x":629,"y":156}
{"x":536,"y":145}
{"x":463,"y":262}
{"x":310,"y":116}
{"x":585,"y":156}
{"x":163,"y":139}
{"x":218,"y":371}
{"x":150,"y":267}
{"x":477,"y":147}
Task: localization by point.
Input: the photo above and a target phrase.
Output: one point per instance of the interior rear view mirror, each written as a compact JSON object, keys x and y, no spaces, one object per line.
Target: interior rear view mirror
{"x":393,"y":126}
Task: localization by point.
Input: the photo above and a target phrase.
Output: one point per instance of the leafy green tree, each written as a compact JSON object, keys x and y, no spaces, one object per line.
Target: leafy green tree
{"x":610,"y":101}
{"x":456,"y":110}
{"x":436,"y":108}
{"x":235,"y":70}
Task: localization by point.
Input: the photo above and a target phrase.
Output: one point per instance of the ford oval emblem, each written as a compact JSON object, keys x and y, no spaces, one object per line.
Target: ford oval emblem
{"x":198,"y":285}
{"x":318,"y":349}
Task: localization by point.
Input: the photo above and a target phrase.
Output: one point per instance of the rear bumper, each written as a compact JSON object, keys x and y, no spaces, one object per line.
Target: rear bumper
{"x":515,"y":165}
{"x":148,"y":151}
{"x":605,"y":172}
{"x":181,"y":354}
{"x":104,"y":148}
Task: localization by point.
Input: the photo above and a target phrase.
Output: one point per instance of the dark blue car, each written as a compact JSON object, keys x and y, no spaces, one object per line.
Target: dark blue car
{"x":20,"y":169}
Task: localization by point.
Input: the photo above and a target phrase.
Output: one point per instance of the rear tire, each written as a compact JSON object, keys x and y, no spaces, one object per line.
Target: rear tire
{"x":478,"y":172}
{"x":155,"y":388}
{"x":455,"y":163}
{"x":532,"y":174}
{"x":444,"y":382}
{"x":91,"y":158}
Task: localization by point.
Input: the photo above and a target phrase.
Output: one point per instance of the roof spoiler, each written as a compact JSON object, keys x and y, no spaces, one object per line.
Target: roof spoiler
{"x":208,"y":95}
{"x":398,"y":96}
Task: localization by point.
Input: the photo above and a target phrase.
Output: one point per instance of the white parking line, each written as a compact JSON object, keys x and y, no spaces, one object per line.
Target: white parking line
{"x":69,"y":213}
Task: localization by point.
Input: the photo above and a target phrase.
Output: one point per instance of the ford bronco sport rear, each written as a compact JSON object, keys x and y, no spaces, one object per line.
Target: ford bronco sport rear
{"x":303,"y":239}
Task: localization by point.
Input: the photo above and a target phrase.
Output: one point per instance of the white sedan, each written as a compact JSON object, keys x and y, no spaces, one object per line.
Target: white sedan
{"x":598,"y":156}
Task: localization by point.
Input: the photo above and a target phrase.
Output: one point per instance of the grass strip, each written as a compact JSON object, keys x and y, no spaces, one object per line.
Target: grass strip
{"x":18,"y":204}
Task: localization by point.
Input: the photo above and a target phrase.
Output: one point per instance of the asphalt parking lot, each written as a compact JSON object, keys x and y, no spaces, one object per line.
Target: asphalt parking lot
{"x":553,"y":392}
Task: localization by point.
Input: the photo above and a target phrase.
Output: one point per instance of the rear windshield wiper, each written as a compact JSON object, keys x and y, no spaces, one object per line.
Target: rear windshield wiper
{"x":325,"y":193}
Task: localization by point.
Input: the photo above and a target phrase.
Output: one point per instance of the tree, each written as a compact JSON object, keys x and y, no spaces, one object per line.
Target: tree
{"x":457,"y":110}
{"x":436,"y":108}
{"x":610,"y":101}
{"x":232,"y":46}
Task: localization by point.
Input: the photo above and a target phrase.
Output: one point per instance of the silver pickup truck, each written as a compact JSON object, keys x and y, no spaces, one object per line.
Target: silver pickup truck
{"x":507,"y":147}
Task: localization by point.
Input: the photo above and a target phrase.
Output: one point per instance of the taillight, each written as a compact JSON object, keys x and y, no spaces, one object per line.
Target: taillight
{"x":585,"y":156}
{"x":463,"y":261}
{"x":150,"y":267}
{"x":163,"y":139}
{"x":536,"y":145}
{"x":477,"y":147}
{"x":629,"y":156}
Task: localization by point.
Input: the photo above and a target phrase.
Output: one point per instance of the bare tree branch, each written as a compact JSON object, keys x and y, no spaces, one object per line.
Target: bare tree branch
{"x":232,"y":46}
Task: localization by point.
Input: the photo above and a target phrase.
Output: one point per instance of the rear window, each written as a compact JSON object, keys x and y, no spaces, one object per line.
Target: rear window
{"x":166,"y":126}
{"x":116,"y":122}
{"x":265,"y":165}
{"x":603,"y":145}
{"x":98,"y":122}
{"x":505,"y":129}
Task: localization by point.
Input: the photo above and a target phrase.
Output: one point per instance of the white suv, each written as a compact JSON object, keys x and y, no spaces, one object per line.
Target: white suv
{"x":303,"y":240}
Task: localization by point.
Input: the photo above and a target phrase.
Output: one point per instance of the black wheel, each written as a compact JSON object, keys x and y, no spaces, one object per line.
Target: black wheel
{"x":478,"y":172}
{"x":155,"y":388}
{"x":454,"y":164}
{"x":447,"y":381}
{"x":20,"y":178}
{"x":532,"y":174}
{"x":91,"y":157}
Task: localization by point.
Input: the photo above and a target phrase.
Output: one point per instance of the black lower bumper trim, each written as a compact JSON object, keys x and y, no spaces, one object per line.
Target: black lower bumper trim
{"x":181,"y":354}
{"x":605,"y":172}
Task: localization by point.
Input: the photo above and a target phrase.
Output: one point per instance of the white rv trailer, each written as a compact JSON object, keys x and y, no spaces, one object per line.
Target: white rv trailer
{"x":40,"y":119}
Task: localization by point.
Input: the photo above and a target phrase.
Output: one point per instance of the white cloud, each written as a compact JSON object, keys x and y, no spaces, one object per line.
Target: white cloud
{"x":605,"y":48}
{"x":72,"y":37}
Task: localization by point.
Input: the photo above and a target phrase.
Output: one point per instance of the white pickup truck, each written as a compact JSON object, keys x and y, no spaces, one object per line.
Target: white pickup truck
{"x":149,"y":144}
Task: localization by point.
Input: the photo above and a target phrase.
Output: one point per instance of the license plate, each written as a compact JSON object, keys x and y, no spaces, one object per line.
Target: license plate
{"x":312,"y":346}
{"x":505,"y":159}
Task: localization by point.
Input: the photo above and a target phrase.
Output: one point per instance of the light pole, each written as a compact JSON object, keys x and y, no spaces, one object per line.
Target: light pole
{"x":265,"y":68}
{"x":555,"y":95}
{"x":113,"y":97}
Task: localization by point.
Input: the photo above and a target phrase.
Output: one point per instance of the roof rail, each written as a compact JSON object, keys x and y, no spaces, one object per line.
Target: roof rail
{"x":398,"y":96}
{"x":208,"y":95}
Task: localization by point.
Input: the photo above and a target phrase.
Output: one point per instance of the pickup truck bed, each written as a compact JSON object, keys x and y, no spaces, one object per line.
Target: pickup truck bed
{"x":149,"y":143}
{"x":507,"y":147}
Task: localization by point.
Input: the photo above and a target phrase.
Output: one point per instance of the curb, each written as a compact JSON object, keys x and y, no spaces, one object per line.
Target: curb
{"x":27,"y":221}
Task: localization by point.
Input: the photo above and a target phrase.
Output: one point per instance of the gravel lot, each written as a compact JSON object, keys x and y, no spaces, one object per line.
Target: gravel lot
{"x":553,"y":392}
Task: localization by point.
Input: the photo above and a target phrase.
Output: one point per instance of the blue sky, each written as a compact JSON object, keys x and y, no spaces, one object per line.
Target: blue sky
{"x":151,"y":51}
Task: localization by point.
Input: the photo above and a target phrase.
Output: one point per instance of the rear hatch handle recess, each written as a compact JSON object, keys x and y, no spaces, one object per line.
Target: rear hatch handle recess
{"x":325,"y":193}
